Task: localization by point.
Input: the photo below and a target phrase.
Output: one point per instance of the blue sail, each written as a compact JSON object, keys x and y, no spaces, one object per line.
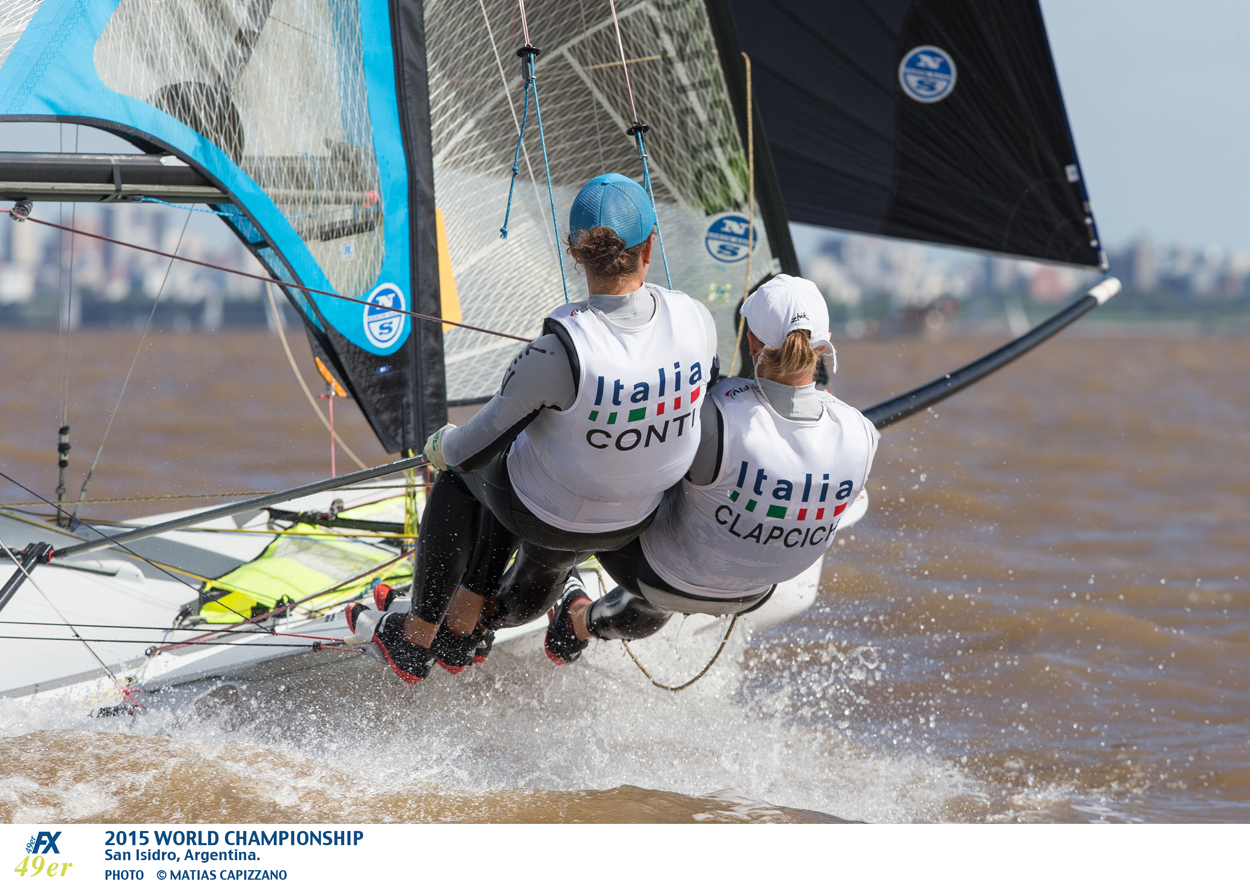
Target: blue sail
{"x":312,"y":116}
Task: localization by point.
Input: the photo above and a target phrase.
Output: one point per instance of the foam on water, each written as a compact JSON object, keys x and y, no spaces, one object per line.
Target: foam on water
{"x":347,"y":740}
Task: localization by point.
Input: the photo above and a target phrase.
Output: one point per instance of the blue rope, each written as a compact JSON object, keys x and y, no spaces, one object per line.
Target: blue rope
{"x":180,"y":206}
{"x":516,"y":159}
{"x":646,"y":181}
{"x":550,"y":193}
{"x":531,"y":83}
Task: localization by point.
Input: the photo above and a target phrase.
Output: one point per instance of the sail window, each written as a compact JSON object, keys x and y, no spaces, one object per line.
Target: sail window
{"x":279,"y":87}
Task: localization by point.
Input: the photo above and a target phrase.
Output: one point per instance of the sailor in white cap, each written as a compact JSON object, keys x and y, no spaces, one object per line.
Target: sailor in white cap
{"x":778,"y":463}
{"x":593,"y":421}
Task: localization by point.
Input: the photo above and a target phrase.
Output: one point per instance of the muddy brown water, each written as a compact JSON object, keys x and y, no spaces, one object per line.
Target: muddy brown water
{"x":1044,"y":617}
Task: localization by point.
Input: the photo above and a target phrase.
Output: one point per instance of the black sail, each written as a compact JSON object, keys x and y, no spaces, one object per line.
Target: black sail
{"x":979,"y":155}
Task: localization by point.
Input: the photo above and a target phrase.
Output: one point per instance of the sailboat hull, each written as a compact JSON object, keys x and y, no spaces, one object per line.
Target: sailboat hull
{"x":85,"y":630}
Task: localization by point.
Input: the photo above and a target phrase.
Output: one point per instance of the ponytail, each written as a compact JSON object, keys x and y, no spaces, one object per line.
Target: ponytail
{"x":795,"y":357}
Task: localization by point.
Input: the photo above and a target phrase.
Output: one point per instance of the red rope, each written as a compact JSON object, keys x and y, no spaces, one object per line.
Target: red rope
{"x":263,"y":279}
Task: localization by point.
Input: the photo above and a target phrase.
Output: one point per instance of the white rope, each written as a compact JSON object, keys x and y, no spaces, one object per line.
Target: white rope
{"x":621,"y":45}
{"x":277,"y":319}
{"x":117,"y":683}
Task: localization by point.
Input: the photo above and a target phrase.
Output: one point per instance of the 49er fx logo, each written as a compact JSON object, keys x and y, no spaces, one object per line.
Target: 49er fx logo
{"x":36,"y":863}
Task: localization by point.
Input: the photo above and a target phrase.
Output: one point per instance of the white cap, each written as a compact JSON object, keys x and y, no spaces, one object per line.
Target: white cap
{"x":785,"y":304}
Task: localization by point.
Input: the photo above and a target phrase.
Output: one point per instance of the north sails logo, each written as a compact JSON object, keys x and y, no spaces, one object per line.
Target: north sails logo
{"x":927,"y":74}
{"x":382,"y":320}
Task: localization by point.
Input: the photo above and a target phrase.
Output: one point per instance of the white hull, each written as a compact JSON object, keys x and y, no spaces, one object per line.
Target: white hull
{"x":122,"y":608}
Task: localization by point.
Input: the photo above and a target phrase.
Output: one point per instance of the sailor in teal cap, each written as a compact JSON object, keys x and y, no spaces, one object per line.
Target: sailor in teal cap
{"x":616,"y":202}
{"x":593,"y":421}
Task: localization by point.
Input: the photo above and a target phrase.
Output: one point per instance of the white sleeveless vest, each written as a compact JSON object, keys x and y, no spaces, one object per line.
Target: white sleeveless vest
{"x":773,"y":510}
{"x":603,"y":464}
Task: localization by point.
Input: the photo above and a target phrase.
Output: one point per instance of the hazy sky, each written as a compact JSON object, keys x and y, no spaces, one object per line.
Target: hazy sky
{"x":1158,"y":92}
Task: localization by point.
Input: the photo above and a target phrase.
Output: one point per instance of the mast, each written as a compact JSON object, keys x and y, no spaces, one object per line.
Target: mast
{"x":772,"y":206}
{"x":425,"y":409}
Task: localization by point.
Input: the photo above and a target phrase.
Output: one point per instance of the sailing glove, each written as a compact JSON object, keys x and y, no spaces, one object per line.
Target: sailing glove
{"x":434,"y":447}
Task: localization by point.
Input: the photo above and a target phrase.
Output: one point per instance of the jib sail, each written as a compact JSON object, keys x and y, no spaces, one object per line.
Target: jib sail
{"x":932,"y":120}
{"x":311,"y":115}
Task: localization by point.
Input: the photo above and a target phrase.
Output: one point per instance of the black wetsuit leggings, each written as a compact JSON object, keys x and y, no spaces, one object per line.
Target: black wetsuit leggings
{"x":472,"y":524}
{"x":624,"y":613}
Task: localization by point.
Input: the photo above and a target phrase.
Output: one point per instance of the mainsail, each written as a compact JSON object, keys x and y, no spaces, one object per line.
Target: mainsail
{"x":696,"y":146}
{"x":310,"y":116}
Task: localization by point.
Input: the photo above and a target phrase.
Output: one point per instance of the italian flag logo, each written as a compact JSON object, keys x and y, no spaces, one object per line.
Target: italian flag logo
{"x":670,"y":406}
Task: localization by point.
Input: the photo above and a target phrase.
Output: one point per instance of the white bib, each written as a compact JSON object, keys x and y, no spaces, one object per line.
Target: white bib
{"x":773,"y":510}
{"x":604,"y":463}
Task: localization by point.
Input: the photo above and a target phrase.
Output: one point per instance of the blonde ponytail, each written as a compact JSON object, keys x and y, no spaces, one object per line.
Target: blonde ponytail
{"x":795,"y":357}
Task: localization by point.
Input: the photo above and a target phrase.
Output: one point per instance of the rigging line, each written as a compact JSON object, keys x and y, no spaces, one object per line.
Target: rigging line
{"x":525,"y":28}
{"x":345,"y":534}
{"x":82,"y":493}
{"x":520,"y":140}
{"x":69,"y":311}
{"x":746,"y":286}
{"x":156,"y":200}
{"x":542,"y":139}
{"x":101,"y":501}
{"x":316,"y":645}
{"x":57,"y":624}
{"x":697,"y":677}
{"x":263,"y":279}
{"x":511,"y":107}
{"x":69,"y":297}
{"x":143,"y":498}
{"x":636,"y":130}
{"x":277,"y":321}
{"x":621,"y":45}
{"x":63,"y":446}
{"x":527,"y":54}
{"x":18,"y":563}
{"x":61,"y":511}
{"x":255,"y":621}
